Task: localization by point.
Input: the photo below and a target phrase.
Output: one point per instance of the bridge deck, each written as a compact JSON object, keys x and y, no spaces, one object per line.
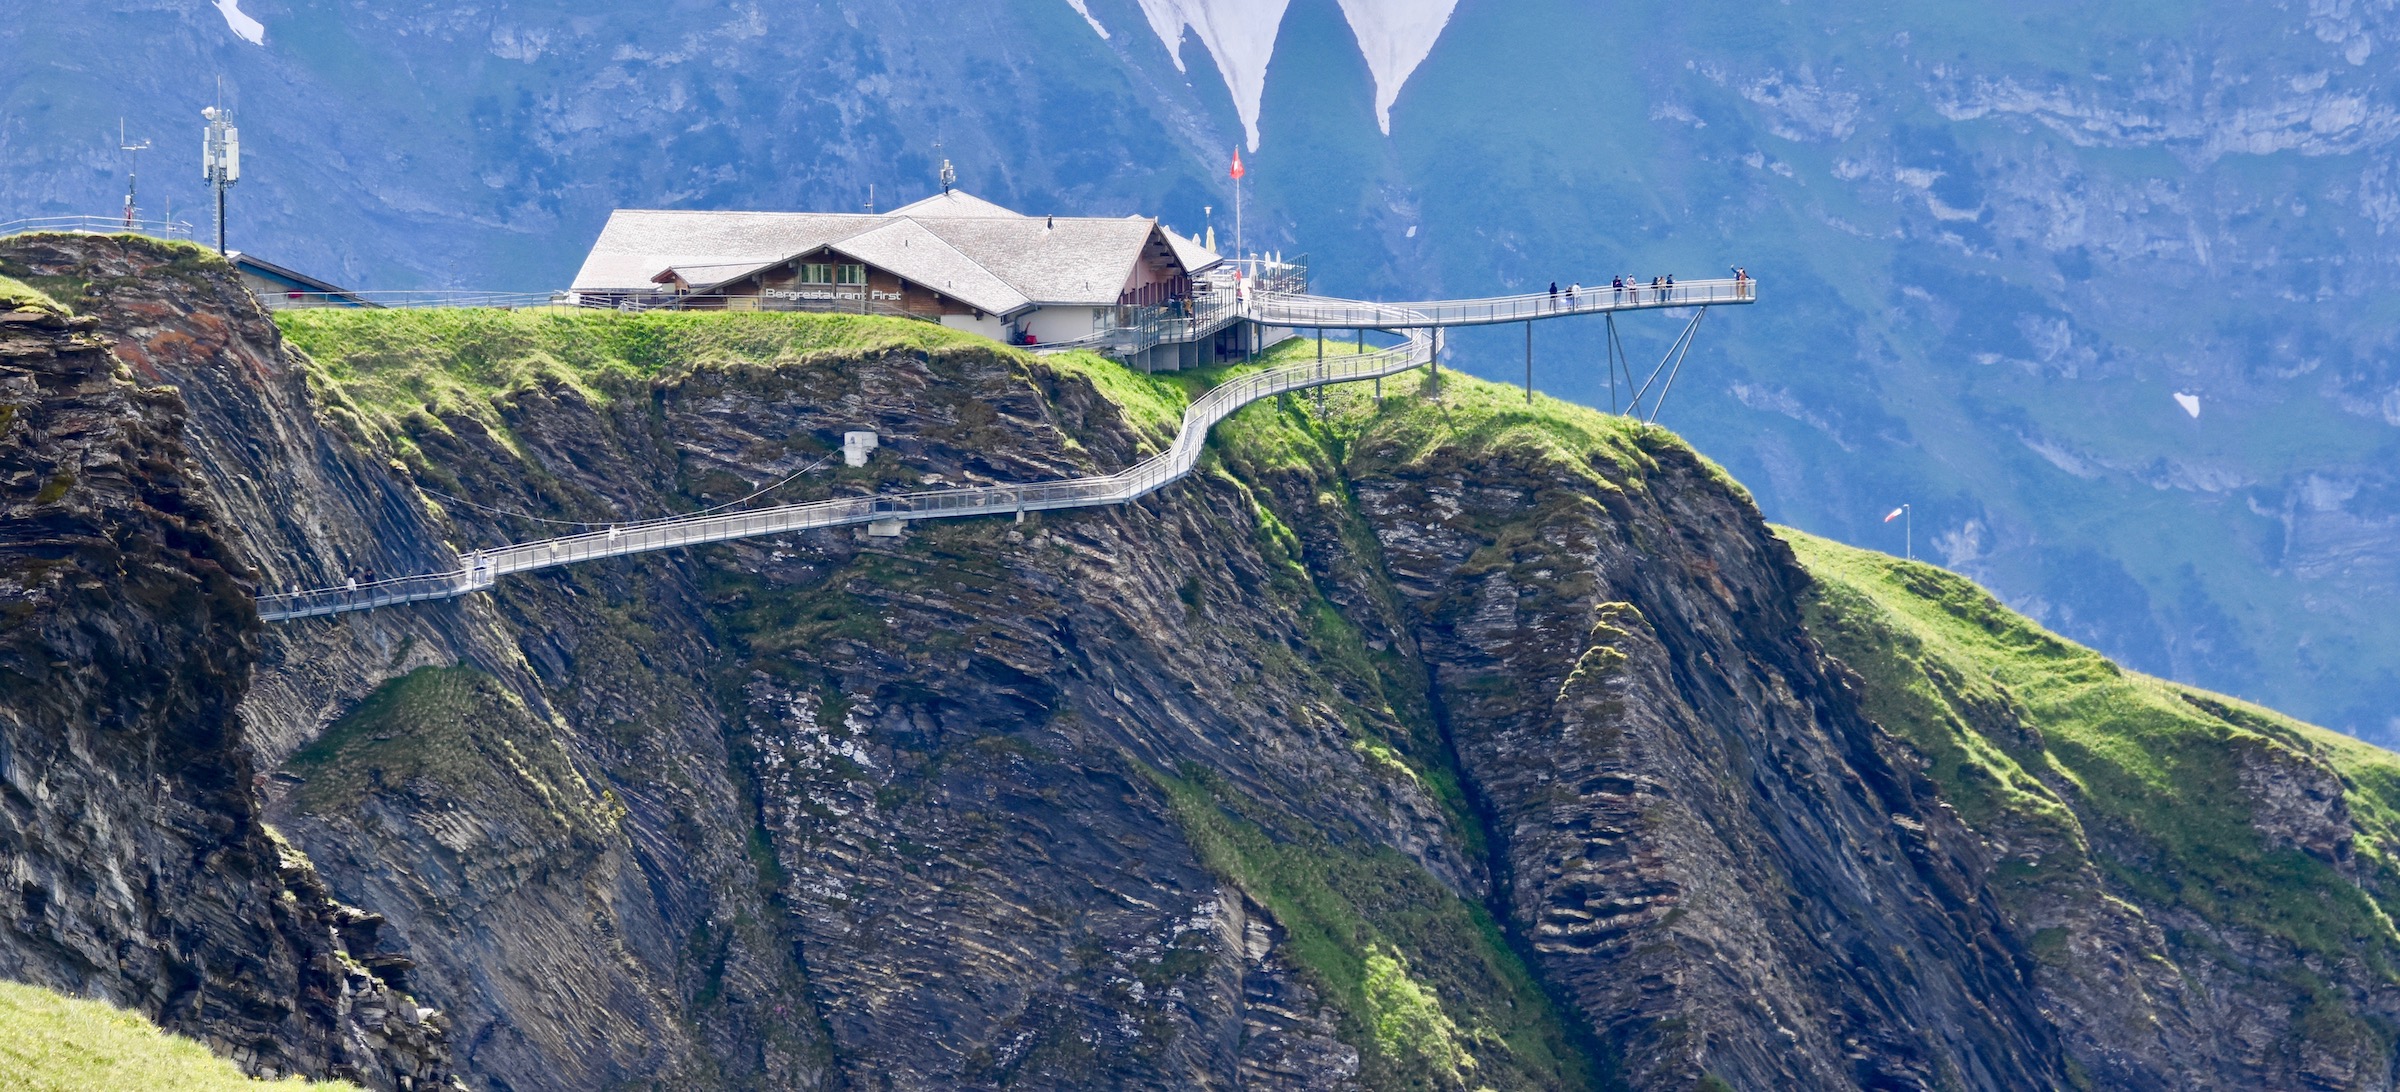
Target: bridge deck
{"x":1341,"y":314}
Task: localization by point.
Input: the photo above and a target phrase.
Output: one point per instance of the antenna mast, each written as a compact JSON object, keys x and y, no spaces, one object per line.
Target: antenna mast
{"x":133,"y":164}
{"x":949,"y":173}
{"x":220,"y":160}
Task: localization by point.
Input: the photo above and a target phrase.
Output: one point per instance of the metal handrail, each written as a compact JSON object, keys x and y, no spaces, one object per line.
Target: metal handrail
{"x":479,"y":569}
{"x":1332,"y":313}
{"x":97,"y":225}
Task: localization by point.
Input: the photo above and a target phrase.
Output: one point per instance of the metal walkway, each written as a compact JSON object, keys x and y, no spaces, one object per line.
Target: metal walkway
{"x":481,"y":568}
{"x":1326,"y":312}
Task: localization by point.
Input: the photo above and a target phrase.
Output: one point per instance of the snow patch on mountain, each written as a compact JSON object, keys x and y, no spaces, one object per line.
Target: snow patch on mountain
{"x":1395,"y":36}
{"x":1240,"y":34}
{"x":1083,"y":9}
{"x":244,"y":27}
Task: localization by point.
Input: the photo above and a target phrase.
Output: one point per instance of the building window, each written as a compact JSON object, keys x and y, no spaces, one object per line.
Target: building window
{"x":850,"y":274}
{"x":816,"y":273}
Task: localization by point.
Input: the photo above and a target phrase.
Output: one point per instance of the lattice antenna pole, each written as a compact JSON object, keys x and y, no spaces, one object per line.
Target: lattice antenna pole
{"x":133,"y":170}
{"x":220,"y":160}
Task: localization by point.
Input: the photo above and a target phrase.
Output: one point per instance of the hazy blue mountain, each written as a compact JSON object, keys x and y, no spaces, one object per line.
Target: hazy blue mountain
{"x":1994,"y":241}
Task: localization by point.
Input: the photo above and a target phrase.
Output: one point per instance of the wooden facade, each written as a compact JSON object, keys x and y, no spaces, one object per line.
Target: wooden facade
{"x":1158,"y":278}
{"x":824,"y":280}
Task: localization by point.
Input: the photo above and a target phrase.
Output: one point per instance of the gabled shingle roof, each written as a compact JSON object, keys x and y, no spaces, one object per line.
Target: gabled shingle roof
{"x":953,"y":203}
{"x":1195,"y":258}
{"x":639,"y":243}
{"x":955,"y":243}
{"x":907,"y":248}
{"x":1067,"y":260}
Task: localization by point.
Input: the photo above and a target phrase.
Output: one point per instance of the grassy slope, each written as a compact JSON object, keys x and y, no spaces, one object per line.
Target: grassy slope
{"x":16,"y":295}
{"x":53,"y":1043}
{"x":396,"y":371}
{"x":2142,"y":778}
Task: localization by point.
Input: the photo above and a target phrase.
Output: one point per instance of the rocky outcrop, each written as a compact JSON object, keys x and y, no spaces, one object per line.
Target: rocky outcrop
{"x":1705,"y":842}
{"x":137,"y":868}
{"x":1440,"y":744}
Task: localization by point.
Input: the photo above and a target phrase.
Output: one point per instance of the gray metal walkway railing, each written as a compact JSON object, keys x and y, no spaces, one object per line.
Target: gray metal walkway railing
{"x":479,"y":570}
{"x":97,"y":225}
{"x":1339,"y":314}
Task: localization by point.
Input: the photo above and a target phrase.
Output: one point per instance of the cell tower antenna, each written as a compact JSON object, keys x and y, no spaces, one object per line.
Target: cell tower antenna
{"x":949,"y":174}
{"x":870,"y":198}
{"x":220,"y":160}
{"x":133,"y":163}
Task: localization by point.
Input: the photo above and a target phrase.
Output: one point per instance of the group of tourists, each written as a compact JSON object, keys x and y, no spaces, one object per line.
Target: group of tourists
{"x":1629,"y":289}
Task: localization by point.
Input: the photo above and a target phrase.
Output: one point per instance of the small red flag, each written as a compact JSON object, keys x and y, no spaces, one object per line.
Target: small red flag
{"x":1237,"y":163}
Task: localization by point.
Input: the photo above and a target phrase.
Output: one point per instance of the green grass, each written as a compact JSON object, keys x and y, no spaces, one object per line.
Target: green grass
{"x":1428,"y":990}
{"x":451,"y":732}
{"x":2027,"y":732}
{"x":53,"y":1043}
{"x":16,"y":295}
{"x":1152,"y":404}
{"x":400,"y":370}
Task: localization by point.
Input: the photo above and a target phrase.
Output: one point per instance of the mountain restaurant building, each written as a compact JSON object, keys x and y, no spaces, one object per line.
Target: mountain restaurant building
{"x":952,"y":258}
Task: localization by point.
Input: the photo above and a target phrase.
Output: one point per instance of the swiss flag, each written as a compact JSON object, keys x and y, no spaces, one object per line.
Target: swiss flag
{"x":1237,"y":163}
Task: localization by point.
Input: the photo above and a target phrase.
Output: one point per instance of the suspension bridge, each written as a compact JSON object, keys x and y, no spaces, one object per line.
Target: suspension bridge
{"x":1419,"y":324}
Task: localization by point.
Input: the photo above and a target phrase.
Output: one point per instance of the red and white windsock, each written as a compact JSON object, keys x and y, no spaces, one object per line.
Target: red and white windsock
{"x":1237,"y":171}
{"x":1895,"y":513}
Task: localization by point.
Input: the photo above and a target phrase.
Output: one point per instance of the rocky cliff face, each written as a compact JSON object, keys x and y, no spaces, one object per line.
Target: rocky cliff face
{"x":1425,"y":743}
{"x":137,"y":867}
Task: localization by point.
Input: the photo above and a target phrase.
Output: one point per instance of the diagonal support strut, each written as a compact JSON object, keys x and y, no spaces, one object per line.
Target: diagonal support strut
{"x":1675,"y":355}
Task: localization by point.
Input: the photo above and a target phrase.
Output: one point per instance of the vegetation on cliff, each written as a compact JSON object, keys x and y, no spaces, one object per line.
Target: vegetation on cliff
{"x":16,"y":295}
{"x":2202,"y":809}
{"x":2111,"y":808}
{"x":400,"y":371}
{"x":53,"y":1043}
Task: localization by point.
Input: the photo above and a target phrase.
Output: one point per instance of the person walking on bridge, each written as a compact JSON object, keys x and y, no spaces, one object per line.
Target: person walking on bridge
{"x":1670,"y":286}
{"x":1574,"y":290}
{"x":1553,"y":293}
